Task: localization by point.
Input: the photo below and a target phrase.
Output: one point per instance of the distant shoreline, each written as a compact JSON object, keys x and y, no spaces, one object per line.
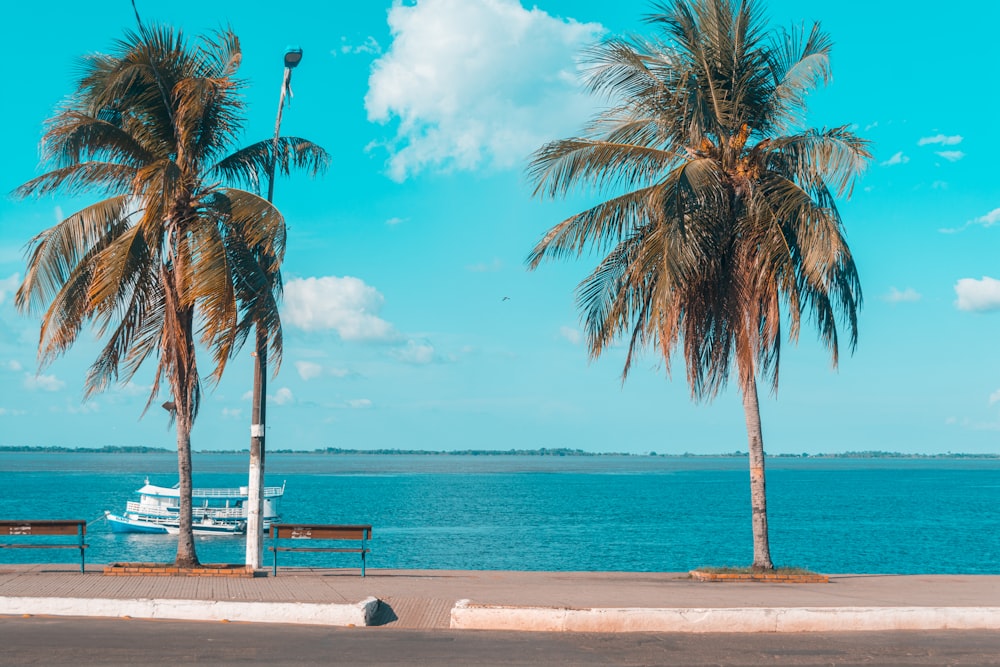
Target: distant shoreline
{"x":558,"y":452}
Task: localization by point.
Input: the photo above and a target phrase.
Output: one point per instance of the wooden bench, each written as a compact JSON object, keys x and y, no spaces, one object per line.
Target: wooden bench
{"x":29,"y":528}
{"x":328,"y":533}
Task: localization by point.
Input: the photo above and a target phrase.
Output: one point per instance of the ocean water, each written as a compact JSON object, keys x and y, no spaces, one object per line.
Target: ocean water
{"x":903,"y":516}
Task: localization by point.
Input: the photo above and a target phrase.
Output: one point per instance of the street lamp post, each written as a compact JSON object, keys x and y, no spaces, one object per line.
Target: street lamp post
{"x":255,"y":491}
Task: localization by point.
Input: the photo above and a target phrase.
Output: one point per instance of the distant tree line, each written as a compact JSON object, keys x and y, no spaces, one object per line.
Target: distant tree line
{"x":544,"y":451}
{"x":106,"y":449}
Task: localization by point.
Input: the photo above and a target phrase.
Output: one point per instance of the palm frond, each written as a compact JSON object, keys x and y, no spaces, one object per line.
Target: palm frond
{"x":595,"y":227}
{"x":720,"y":227}
{"x":56,"y":252}
{"x":559,"y":166}
{"x":817,"y":157}
{"x":251,"y":165}
{"x":102,"y":177}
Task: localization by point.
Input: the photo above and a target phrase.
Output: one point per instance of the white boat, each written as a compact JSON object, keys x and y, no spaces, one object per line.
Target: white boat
{"x":220,"y":511}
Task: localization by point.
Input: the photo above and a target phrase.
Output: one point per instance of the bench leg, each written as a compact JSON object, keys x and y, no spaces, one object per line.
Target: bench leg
{"x":81,"y":533}
{"x":275,"y":562}
{"x":362,"y":563}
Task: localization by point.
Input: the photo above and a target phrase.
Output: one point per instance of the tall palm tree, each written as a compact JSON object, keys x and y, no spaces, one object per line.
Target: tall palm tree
{"x":720,"y":220}
{"x":171,"y":257}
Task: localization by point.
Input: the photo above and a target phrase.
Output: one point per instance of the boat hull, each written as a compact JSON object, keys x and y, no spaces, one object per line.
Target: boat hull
{"x":120,"y":524}
{"x":125,"y":524}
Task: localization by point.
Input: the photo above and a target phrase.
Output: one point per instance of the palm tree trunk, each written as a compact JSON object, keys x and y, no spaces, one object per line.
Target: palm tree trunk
{"x":185,"y":539}
{"x":758,"y":493}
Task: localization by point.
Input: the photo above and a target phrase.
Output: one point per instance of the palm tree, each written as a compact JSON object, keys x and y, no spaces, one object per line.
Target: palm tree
{"x":720,"y":219}
{"x":171,"y":257}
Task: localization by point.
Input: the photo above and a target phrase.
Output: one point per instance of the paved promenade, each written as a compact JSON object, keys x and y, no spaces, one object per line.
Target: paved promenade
{"x":529,"y":601}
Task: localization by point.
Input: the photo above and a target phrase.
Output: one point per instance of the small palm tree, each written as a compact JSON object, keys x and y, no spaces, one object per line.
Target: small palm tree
{"x":171,"y":257}
{"x":721,"y":220}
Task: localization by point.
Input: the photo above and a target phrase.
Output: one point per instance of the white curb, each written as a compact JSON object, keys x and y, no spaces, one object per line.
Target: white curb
{"x":307,"y":613}
{"x":466,"y":615}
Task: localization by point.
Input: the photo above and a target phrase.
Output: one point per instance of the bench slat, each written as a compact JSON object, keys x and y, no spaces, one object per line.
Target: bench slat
{"x":42,"y":527}
{"x":44,"y":546}
{"x":16,"y":528}
{"x":321,"y":532}
{"x":330,"y":549}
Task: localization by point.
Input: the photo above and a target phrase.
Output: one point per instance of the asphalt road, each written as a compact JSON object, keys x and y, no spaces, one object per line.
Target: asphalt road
{"x":87,"y":641}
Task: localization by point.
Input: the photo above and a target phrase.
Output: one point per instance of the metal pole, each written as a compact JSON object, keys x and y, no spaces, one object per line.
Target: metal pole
{"x":255,"y":491}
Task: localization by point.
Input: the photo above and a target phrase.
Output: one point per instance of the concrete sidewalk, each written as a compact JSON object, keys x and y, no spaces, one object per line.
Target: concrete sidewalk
{"x":530,"y":601}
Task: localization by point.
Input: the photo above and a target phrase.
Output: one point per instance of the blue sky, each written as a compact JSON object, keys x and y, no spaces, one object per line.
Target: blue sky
{"x":410,"y":318}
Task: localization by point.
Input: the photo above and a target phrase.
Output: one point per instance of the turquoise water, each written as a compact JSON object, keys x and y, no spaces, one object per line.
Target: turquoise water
{"x":552,"y":513}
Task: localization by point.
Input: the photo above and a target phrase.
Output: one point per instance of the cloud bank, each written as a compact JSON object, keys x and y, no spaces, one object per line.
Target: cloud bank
{"x":978,"y":295}
{"x":907,"y":295}
{"x":897,"y":158}
{"x":8,"y":286}
{"x":950,"y":156}
{"x":940,"y":139}
{"x":42,"y":382}
{"x":476,"y":82}
{"x":415,"y":352}
{"x":345,"y":305}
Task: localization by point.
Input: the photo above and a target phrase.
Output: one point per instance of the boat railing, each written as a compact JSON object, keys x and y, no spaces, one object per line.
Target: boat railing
{"x":269,"y":491}
{"x":215,"y":512}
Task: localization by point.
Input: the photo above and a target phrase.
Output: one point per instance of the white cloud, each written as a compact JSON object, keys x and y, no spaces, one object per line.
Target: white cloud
{"x":346,"y":305}
{"x":978,"y":295}
{"x":88,"y":408}
{"x":231,"y":413}
{"x":988,"y":220}
{"x":131,"y":388}
{"x":370,"y":46}
{"x":308,"y":369}
{"x":43,"y":382}
{"x":283,"y":396}
{"x":994,"y":397}
{"x":486,"y":267}
{"x":474,"y":82}
{"x":10,"y":412}
{"x":359,"y":403}
{"x":571,"y":334}
{"x":951,"y":156}
{"x":907,"y":295}
{"x":392,"y":222}
{"x":9,"y":286}
{"x":13,"y":365}
{"x":941,"y":139}
{"x":415,"y":353}
{"x":898,"y":158}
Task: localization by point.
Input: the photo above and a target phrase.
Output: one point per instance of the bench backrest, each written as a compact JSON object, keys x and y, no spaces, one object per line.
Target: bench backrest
{"x":68,"y":527}
{"x":297,"y":531}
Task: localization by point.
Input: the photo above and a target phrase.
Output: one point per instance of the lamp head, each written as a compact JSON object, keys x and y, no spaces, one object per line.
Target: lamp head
{"x":293,"y":55}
